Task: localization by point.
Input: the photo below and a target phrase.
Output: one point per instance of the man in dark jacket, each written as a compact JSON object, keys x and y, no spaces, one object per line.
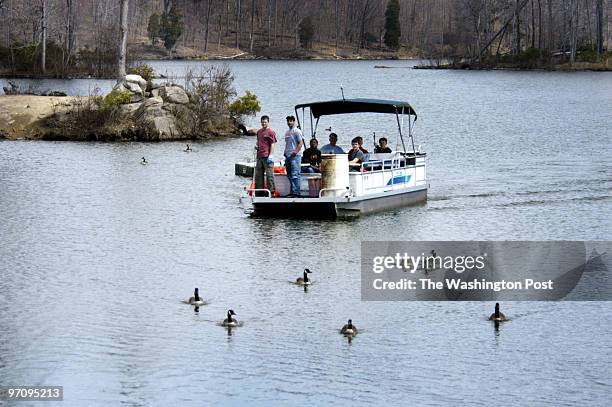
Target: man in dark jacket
{"x":312,"y":157}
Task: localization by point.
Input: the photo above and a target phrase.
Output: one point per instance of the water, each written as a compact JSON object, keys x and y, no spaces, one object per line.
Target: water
{"x":98,"y":252}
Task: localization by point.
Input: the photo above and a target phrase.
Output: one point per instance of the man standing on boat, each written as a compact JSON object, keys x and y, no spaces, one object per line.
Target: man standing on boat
{"x":266,"y":138}
{"x":294,"y":141}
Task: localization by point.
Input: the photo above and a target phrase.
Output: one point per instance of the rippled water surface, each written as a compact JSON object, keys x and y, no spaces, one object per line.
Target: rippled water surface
{"x":98,"y":251}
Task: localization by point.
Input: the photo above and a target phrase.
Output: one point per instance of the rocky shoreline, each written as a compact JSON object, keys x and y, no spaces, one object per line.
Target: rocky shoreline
{"x":145,"y":112}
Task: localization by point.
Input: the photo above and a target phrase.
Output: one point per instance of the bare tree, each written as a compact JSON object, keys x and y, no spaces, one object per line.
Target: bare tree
{"x":251,"y":33}
{"x":337,"y":26}
{"x":208,"y":9}
{"x":43,"y":36}
{"x":599,"y":5}
{"x":121,"y":68}
{"x":238,"y":24}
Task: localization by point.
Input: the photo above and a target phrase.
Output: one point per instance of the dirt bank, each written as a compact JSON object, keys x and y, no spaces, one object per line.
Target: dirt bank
{"x":24,"y":116}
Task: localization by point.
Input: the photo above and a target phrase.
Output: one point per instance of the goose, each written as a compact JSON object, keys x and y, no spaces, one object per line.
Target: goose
{"x":144,"y":161}
{"x":188,"y":149}
{"x":229,"y":321}
{"x":196,"y":299}
{"x":349,"y":328}
{"x":497,"y":316}
{"x":304,"y":280}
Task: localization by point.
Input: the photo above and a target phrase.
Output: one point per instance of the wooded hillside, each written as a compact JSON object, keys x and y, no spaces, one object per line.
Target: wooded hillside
{"x":87,"y":31}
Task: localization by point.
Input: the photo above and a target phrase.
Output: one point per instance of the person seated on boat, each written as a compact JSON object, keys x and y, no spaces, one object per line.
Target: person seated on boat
{"x":355,"y":155}
{"x":312,"y":158}
{"x":360,"y":141}
{"x":382,"y":147}
{"x":332,"y":148}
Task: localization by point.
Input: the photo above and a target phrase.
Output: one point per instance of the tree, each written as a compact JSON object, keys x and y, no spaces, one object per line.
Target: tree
{"x":208,"y":9}
{"x":123,"y":39}
{"x":306,"y":32}
{"x":154,"y":28}
{"x":599,"y":26}
{"x":238,"y":25}
{"x":392,"y":25}
{"x":172,"y":27}
{"x":251,"y":32}
{"x":43,"y":37}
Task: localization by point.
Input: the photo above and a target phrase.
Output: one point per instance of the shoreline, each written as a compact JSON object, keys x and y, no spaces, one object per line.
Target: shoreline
{"x":145,"y":59}
{"x":564,"y":67}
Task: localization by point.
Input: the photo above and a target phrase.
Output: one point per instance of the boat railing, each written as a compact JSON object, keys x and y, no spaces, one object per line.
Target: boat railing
{"x":322,"y":190}
{"x":253,"y":191}
{"x":387,"y":166}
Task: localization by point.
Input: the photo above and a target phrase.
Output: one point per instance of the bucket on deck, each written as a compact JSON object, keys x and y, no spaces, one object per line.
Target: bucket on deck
{"x":334,"y":174}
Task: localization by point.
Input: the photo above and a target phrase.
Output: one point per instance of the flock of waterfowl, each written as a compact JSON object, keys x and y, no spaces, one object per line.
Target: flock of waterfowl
{"x":143,"y":160}
{"x":348,"y":329}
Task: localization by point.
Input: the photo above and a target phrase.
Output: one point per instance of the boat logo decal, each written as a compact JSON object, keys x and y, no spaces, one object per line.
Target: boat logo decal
{"x":402,"y":179}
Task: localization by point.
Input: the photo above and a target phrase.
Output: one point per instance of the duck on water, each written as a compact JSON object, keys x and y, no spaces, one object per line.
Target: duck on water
{"x":304,"y":280}
{"x":196,"y":299}
{"x":230,"y":322}
{"x":497,"y":316}
{"x":349,"y":328}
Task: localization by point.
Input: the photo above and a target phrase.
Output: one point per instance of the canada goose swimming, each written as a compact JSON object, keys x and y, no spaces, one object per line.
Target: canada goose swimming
{"x":304,"y":280}
{"x":349,"y":328}
{"x":229,"y":321}
{"x":196,"y":299}
{"x":433,"y":263}
{"x":497,"y":316}
{"x":188,"y":149}
{"x":144,"y":161}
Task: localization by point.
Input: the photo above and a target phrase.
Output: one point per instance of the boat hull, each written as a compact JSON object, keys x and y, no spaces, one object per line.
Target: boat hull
{"x":330,"y":208}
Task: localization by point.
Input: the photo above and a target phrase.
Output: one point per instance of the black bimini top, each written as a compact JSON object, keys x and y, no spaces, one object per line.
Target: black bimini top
{"x":345,"y":106}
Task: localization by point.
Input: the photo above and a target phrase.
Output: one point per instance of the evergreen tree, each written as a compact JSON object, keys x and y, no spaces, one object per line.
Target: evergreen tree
{"x":172,"y":27}
{"x":154,"y":28}
{"x":392,"y":25}
{"x":306,"y":32}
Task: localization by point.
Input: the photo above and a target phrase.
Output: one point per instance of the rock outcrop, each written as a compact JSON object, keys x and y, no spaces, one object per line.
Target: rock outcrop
{"x":153,"y":112}
{"x":134,"y":84}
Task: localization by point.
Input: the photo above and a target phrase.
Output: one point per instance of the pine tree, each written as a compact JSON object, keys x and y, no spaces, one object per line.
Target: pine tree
{"x":172,"y":27}
{"x":392,"y":25}
{"x":306,"y":32}
{"x":153,"y":29}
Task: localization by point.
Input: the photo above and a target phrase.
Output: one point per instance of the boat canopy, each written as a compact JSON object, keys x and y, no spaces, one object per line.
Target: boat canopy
{"x":361,"y":105}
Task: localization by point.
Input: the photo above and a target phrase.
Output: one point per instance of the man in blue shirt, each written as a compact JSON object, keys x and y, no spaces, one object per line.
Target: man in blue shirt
{"x":332,"y":148}
{"x":294,"y":141}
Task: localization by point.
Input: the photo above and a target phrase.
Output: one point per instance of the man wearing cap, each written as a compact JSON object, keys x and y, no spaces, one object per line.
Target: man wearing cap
{"x":294,"y":141}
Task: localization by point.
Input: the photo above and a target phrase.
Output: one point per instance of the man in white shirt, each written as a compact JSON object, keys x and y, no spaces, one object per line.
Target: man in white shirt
{"x":294,"y":141}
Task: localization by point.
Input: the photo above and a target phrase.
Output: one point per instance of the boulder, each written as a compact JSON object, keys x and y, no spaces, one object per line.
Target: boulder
{"x":129,"y":108}
{"x":174,"y":94}
{"x":133,"y":84}
{"x":136,"y":93}
{"x":154,"y":101}
{"x":137,"y":80}
{"x":159,"y":118}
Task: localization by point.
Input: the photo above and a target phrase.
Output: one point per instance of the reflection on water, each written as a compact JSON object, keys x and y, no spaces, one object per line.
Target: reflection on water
{"x":108,"y":248}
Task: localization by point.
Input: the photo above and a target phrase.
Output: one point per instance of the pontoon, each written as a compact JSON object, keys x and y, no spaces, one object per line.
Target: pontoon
{"x":381,"y":182}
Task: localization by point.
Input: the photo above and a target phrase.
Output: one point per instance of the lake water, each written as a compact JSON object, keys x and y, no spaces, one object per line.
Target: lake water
{"x":98,"y":251}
